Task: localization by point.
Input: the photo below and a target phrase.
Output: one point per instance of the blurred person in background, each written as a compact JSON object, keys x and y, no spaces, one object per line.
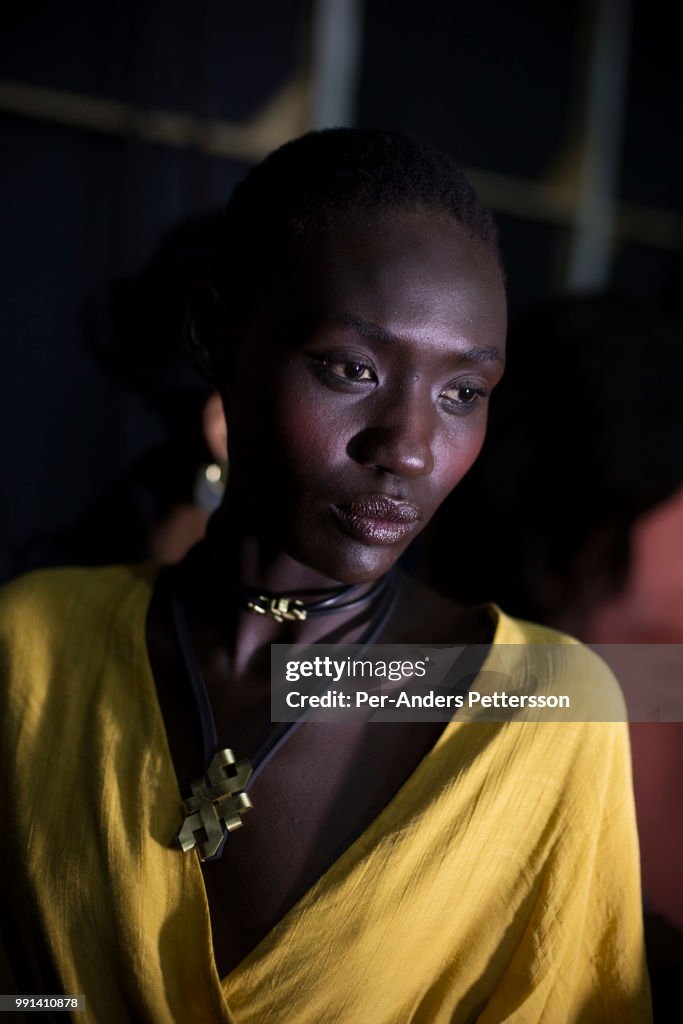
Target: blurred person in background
{"x":160,"y":507}
{"x":575,"y":514}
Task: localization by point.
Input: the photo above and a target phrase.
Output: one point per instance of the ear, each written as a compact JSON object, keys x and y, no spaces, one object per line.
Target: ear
{"x":214,"y":428}
{"x":207,"y":334}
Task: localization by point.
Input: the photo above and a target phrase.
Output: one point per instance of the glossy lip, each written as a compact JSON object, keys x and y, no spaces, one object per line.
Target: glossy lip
{"x":376,"y":519}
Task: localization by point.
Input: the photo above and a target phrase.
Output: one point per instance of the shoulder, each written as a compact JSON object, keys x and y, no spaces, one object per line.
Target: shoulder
{"x":544,"y":660}
{"x":52,"y":594}
{"x":547,"y":730}
{"x":50,"y":615}
{"x":68,"y":638}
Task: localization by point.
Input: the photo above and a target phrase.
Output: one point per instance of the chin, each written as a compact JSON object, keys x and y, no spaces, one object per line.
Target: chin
{"x":353,"y":563}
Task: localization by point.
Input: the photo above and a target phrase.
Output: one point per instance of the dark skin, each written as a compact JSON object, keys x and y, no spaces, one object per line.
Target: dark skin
{"x":366,"y":374}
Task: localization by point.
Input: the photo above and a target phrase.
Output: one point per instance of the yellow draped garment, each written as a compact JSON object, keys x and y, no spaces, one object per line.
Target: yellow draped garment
{"x":501,"y":883}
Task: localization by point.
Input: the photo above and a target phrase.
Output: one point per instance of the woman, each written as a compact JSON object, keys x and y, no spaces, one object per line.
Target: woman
{"x":417,"y":871}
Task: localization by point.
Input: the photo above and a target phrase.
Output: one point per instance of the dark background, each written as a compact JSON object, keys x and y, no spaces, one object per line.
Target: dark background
{"x":86,"y":194}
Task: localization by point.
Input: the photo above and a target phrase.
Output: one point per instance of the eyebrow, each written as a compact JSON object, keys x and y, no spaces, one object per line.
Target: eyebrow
{"x":370,"y":330}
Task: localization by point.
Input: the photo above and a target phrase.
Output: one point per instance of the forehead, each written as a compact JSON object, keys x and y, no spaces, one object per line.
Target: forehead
{"x":412,"y":271}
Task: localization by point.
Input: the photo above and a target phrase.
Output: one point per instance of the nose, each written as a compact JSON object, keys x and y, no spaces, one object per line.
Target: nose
{"x":398,"y":439}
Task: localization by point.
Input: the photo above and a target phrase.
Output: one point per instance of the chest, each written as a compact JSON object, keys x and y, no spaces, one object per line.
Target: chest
{"x":320,"y":791}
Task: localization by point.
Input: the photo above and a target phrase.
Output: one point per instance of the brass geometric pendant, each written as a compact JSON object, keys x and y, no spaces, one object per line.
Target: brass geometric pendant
{"x":216,"y":804}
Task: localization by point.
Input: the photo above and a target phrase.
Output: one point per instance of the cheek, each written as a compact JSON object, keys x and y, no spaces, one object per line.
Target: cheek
{"x":304,"y":428}
{"x":459,"y":455}
{"x":310,"y":439}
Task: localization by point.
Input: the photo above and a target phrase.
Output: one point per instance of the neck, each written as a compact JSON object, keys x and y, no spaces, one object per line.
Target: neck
{"x":240,"y":557}
{"x":235,"y":558}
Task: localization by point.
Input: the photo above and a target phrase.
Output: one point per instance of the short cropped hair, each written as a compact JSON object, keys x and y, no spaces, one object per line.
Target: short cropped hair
{"x":329,"y":176}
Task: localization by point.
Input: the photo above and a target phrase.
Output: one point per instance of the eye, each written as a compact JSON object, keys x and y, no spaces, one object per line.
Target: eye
{"x":350,"y":370}
{"x":463,"y":395}
{"x":346,"y":371}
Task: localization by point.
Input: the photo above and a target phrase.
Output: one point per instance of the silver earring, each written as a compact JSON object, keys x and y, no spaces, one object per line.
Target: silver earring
{"x":209,"y":486}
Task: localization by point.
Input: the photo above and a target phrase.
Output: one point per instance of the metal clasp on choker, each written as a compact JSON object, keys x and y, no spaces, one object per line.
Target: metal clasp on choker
{"x":279,"y":608}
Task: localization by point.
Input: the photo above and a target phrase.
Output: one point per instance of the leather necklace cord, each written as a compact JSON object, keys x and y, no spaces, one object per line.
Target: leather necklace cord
{"x":219,"y":799}
{"x":388,"y":592}
{"x":344,"y":599}
{"x":198,"y":570}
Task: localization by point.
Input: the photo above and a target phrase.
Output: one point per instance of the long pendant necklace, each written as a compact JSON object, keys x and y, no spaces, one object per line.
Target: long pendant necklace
{"x":220,"y":798}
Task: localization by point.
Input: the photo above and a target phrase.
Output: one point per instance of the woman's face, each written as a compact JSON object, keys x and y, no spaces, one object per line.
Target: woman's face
{"x":358,"y":395}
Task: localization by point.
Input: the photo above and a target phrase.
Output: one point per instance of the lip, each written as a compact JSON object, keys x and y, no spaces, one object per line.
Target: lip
{"x":376,"y":519}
